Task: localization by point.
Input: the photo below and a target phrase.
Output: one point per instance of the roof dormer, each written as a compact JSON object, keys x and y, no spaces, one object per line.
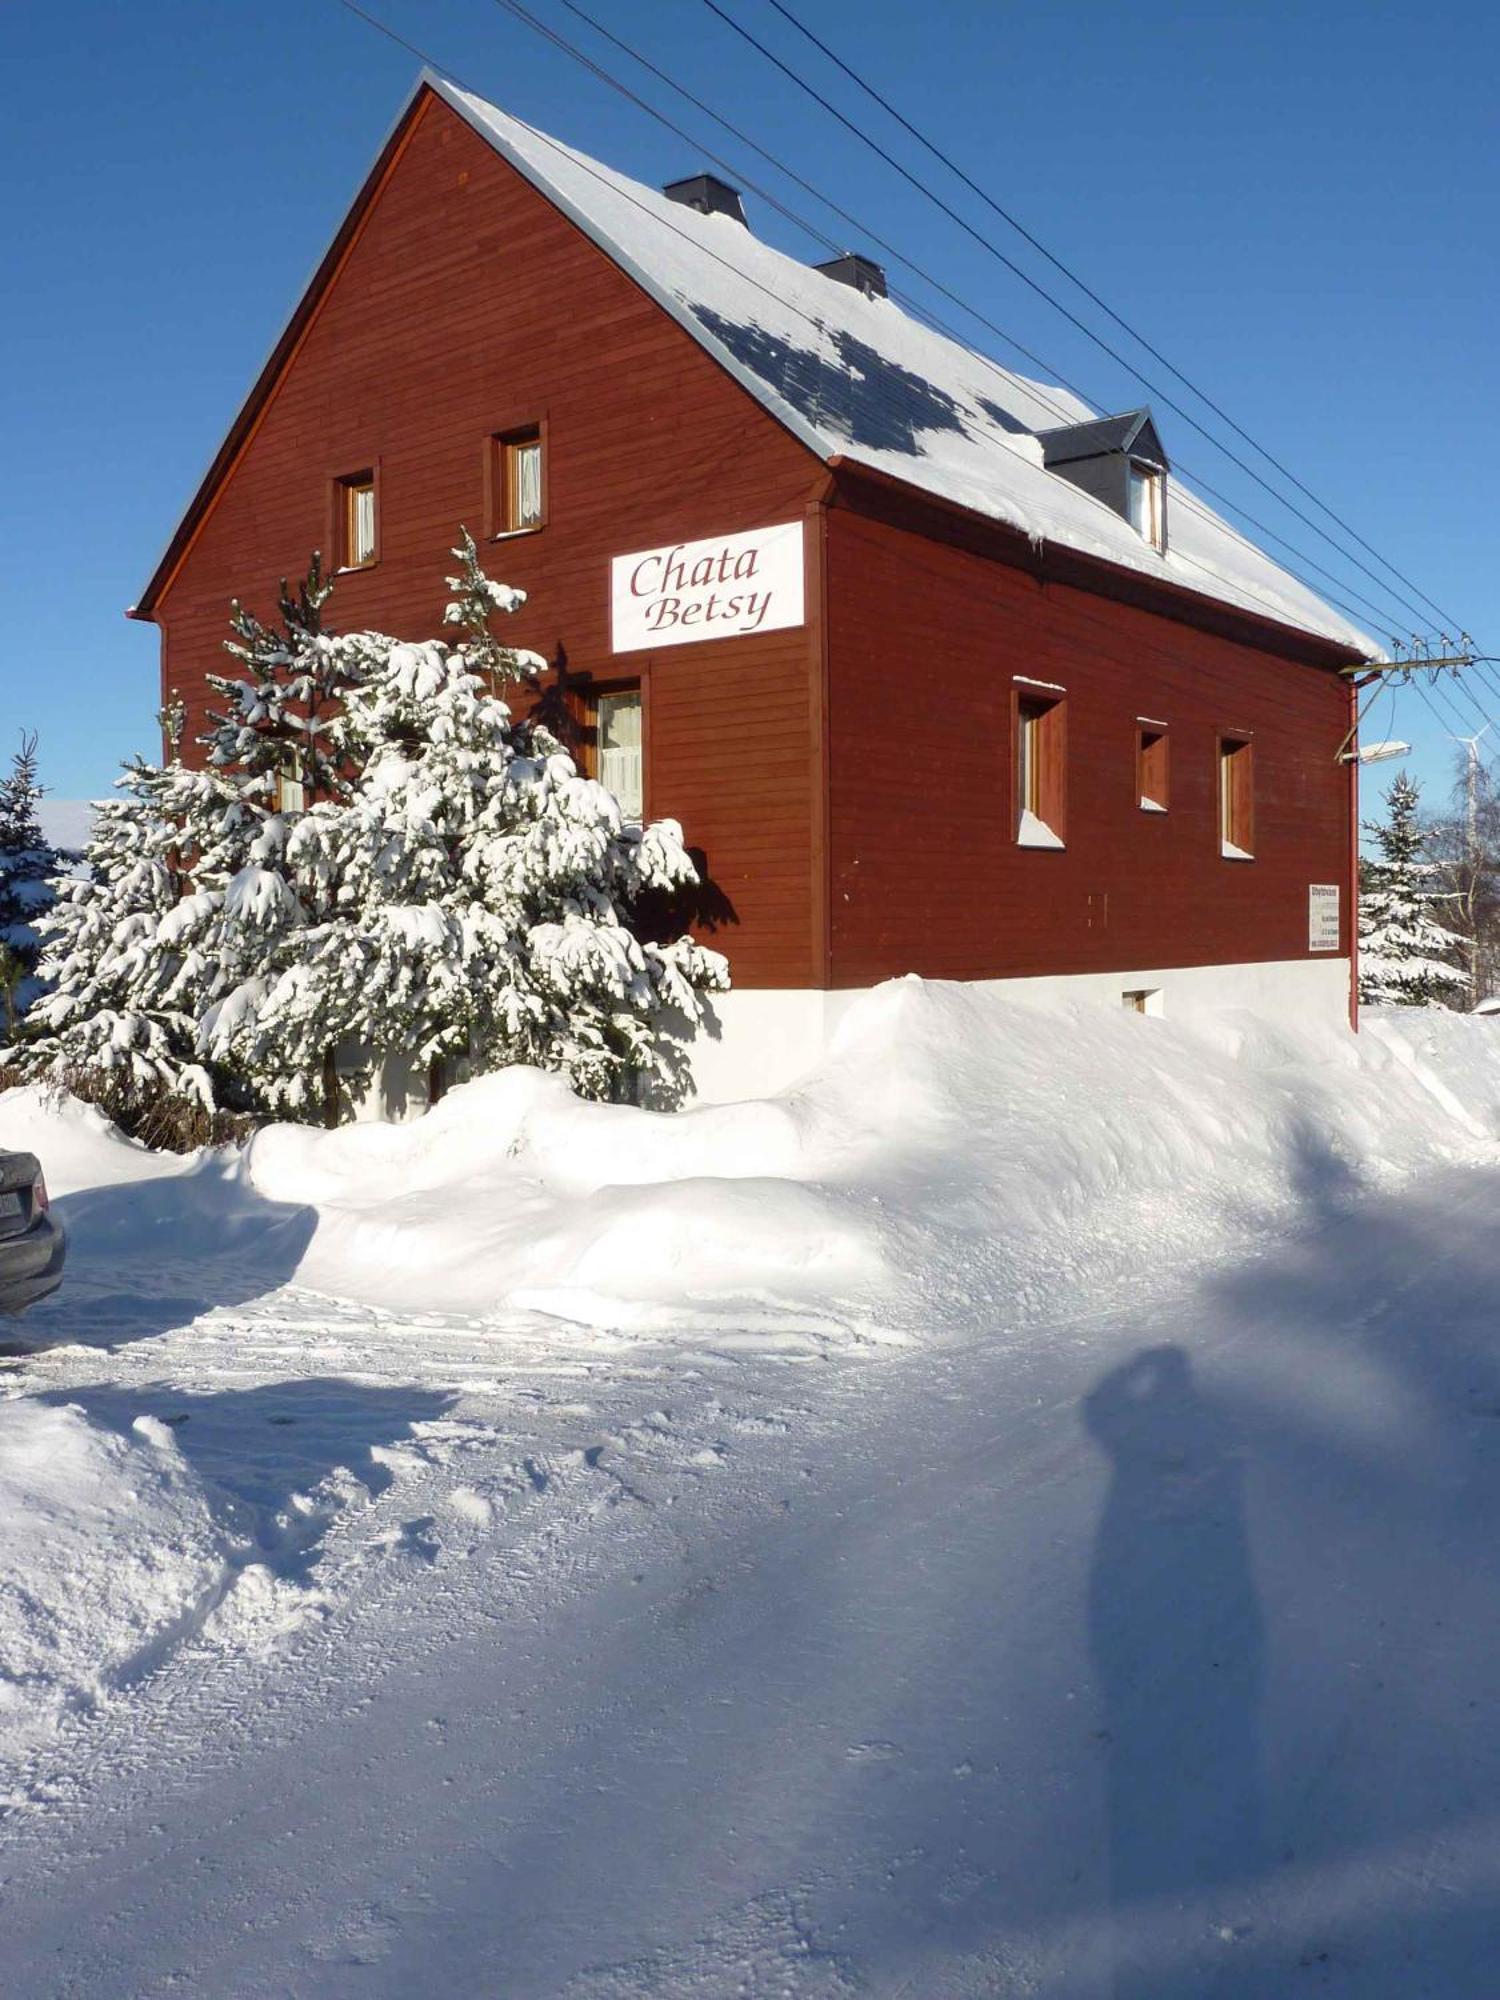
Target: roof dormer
{"x":709,"y":195}
{"x":861,"y":273}
{"x":1120,"y":461}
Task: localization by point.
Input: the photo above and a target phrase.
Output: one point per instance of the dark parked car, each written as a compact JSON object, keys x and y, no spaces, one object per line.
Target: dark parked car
{"x":32,"y":1244}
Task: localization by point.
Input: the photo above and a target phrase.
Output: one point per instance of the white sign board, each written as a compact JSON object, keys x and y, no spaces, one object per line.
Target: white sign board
{"x":1323,"y":916}
{"x":718,"y":589}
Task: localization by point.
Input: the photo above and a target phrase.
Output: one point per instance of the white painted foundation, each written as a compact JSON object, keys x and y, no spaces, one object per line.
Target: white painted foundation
{"x":760,"y":1041}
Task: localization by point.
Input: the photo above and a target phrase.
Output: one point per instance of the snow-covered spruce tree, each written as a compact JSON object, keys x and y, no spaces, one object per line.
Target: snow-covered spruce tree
{"x":1405,"y":955}
{"x":454,"y":892}
{"x":120,"y":1017}
{"x":276,"y":740}
{"x":28,"y":861}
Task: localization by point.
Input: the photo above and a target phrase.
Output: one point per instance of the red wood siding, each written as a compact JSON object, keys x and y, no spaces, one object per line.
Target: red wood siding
{"x":925,"y":874}
{"x":466,"y":305}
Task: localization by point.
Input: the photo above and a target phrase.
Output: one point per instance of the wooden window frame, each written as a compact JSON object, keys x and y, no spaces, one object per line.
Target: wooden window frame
{"x":342,"y":488}
{"x":1042,"y":758}
{"x":1153,"y":481}
{"x":1153,"y":767}
{"x":497,"y":478}
{"x":1234,"y":795}
{"x":587,"y":696}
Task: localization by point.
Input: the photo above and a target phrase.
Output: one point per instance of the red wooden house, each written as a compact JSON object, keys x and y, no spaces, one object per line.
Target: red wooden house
{"x":940,"y":672}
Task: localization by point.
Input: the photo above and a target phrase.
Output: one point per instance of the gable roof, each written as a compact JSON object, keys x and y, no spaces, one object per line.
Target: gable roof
{"x":1134,"y":433}
{"x":853,"y":378}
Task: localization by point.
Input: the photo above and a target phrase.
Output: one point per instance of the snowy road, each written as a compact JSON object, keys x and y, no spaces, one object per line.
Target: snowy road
{"x":1149,"y":1653}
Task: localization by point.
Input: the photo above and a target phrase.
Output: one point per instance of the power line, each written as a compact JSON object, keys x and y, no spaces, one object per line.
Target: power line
{"x":871,"y":236}
{"x":1063,"y":415}
{"x":1041,"y":291}
{"x":1244,"y":590}
{"x":1089,"y":293}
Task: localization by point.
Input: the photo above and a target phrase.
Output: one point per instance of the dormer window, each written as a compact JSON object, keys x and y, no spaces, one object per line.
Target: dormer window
{"x":1146,"y":514}
{"x":1120,"y":461}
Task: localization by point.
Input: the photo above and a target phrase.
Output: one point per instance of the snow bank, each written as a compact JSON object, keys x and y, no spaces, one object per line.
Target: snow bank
{"x":76,"y":1143}
{"x":109,"y":1551}
{"x":960,"y":1157}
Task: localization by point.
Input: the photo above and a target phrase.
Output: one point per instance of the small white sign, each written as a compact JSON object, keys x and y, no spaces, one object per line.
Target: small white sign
{"x":1323,"y":916}
{"x":722,"y":588}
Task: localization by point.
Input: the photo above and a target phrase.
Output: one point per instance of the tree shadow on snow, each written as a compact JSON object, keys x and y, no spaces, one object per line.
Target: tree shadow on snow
{"x":278,"y":1461}
{"x":146,"y":1256}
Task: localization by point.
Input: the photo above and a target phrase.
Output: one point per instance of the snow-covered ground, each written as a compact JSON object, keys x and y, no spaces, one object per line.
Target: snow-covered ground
{"x":1014,"y":1515}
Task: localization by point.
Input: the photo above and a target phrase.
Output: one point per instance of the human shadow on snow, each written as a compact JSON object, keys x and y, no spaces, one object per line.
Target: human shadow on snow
{"x":1294,"y":1611}
{"x":1177,"y":1643}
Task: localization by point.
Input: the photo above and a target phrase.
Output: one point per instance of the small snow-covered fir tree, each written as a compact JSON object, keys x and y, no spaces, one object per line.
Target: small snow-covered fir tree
{"x":454,"y":892}
{"x":28,"y":861}
{"x":1405,"y":954}
{"x":125,"y":992}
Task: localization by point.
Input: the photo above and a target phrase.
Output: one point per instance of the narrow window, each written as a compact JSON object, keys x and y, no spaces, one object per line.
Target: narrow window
{"x":356,"y":520}
{"x":518,"y":500}
{"x":1040,"y":766}
{"x":1146,"y":514}
{"x":1236,"y":799}
{"x":1151,"y":767}
{"x":291,"y":793}
{"x":618,"y":747}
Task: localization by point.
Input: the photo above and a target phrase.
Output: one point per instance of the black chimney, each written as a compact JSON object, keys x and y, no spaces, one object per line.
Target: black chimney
{"x":709,"y":195}
{"x":861,"y":272}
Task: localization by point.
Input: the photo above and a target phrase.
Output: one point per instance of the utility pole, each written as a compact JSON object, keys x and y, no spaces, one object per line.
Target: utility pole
{"x":1471,"y":820}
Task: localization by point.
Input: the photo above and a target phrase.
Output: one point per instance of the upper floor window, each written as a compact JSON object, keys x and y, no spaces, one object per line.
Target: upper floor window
{"x":356,"y":520}
{"x":517,"y":481}
{"x":1236,"y":799}
{"x":1145,"y":501}
{"x":619,"y":746}
{"x":1040,"y":753}
{"x":1151,"y":766}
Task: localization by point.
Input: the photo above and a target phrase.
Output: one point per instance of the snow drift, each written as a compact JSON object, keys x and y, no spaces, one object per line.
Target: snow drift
{"x":107,"y":1546}
{"x":958,"y":1159}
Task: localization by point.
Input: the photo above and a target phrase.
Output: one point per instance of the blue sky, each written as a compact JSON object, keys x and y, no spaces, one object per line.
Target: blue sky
{"x":1298,"y":206}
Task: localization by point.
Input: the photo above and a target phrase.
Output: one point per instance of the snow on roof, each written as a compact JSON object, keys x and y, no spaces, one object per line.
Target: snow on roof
{"x":859,"y":377}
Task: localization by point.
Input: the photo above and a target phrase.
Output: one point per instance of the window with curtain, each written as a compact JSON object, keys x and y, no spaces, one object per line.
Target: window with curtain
{"x":526,"y":474}
{"x":357,"y":520}
{"x":518,"y":487}
{"x":618,"y":737}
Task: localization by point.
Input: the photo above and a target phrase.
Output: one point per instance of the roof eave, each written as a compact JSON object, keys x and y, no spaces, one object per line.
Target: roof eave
{"x":1163,"y":593}
{"x":430,"y":85}
{"x":785,"y":414}
{"x":144,"y":608}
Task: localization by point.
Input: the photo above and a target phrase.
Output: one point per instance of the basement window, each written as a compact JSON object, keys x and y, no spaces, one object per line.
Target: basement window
{"x":1041,"y":752}
{"x":1143,"y":1000}
{"x":1236,"y":799}
{"x":355,"y":521}
{"x":619,"y":746}
{"x":1151,"y":766}
{"x":517,"y":482}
